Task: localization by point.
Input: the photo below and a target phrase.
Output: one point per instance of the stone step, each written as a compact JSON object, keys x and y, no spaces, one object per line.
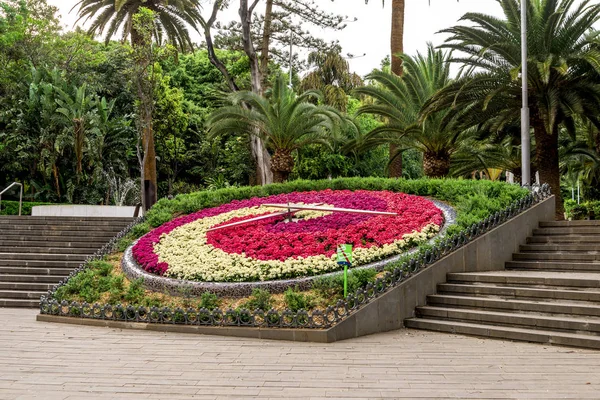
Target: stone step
{"x":61,"y":228}
{"x":47,"y":279}
{"x":522,"y":278}
{"x":24,"y":286}
{"x":47,"y":250}
{"x":546,"y":306}
{"x":33,"y":239}
{"x":42,"y":256}
{"x":64,"y":222}
{"x":556,"y":256}
{"x":584,"y":230}
{"x":39,"y":263}
{"x":504,"y":332}
{"x":10,"y":234}
{"x":35,"y":219}
{"x":595,"y":239}
{"x":580,"y":248}
{"x":48,"y":243}
{"x":583,"y":325}
{"x":18,"y":294}
{"x":554,"y":265}
{"x":35,"y":271}
{"x":562,"y":224}
{"x":19,"y":303}
{"x":520,"y":292}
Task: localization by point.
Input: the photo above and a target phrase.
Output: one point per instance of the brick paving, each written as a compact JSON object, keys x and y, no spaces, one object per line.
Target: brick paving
{"x":55,"y":361}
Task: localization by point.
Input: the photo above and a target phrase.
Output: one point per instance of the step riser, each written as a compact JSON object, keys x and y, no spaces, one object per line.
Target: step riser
{"x":34,"y":229}
{"x":37,"y":224}
{"x":525,"y":293}
{"x":499,"y":333}
{"x":35,"y":271}
{"x":576,"y":248}
{"x":523,"y":281}
{"x":499,"y":304}
{"x":562,"y":224}
{"x":5,"y":294}
{"x":44,"y":240}
{"x":36,"y":256}
{"x":13,"y":303}
{"x":594,"y":240}
{"x":26,"y":287}
{"x":47,"y":250}
{"x":48,"y":244}
{"x":582,"y":267}
{"x":93,"y":235}
{"x":50,"y":280}
{"x":522,"y":320}
{"x":556,"y":256}
{"x":566,"y":231}
{"x":39,"y":264}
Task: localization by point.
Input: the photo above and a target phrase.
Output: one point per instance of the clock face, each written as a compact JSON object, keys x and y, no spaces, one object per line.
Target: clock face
{"x":274,"y":248}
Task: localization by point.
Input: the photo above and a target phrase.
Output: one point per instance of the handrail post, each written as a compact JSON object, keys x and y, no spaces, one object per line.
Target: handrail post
{"x":20,"y":195}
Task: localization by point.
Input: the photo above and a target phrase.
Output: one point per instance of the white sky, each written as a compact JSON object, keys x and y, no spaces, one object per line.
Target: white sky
{"x":370,"y":34}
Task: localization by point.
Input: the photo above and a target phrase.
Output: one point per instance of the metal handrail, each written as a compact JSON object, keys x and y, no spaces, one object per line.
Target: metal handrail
{"x":20,"y":197}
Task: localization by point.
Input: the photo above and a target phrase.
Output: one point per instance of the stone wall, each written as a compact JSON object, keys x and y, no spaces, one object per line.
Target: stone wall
{"x":487,"y":253}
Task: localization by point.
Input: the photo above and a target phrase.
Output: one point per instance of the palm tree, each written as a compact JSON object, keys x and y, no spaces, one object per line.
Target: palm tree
{"x":284,"y":121}
{"x":332,"y":76}
{"x":113,"y":16}
{"x":563,"y":79}
{"x":398,"y":100}
{"x":78,"y":110}
{"x":172,"y":16}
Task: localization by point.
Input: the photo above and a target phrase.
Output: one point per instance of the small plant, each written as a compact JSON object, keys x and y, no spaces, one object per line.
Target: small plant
{"x":209,"y":300}
{"x":135,"y":292}
{"x":297,"y":301}
{"x":261,"y":299}
{"x":123,"y":244}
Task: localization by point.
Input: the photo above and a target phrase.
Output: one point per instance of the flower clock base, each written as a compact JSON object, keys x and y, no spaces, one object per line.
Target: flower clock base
{"x":189,"y":247}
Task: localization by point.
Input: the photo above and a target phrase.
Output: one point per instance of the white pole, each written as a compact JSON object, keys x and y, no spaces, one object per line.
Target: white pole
{"x":525,"y":139}
{"x":578,"y":192}
{"x":572,"y":193}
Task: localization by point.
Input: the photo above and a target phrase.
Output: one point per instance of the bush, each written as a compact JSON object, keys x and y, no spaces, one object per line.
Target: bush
{"x":584,"y":210}
{"x":473,"y":200}
{"x":210,"y":301}
{"x":135,"y":292}
{"x":261,"y":299}
{"x":333,"y":286}
{"x":297,"y":301}
{"x":12,"y":207}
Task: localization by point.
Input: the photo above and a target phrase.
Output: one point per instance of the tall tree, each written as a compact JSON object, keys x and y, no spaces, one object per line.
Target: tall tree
{"x":112,"y":16}
{"x":563,"y":80}
{"x":332,"y":76}
{"x":285,"y":121}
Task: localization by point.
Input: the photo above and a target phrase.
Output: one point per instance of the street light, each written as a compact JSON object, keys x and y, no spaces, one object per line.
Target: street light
{"x":525,"y":139}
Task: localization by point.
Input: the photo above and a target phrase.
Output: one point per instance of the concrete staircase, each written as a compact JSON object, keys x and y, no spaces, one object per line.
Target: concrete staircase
{"x":548,"y":293}
{"x":38,"y":252}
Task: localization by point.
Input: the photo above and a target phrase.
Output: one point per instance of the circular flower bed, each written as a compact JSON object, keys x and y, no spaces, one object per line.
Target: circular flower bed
{"x":273,"y":248}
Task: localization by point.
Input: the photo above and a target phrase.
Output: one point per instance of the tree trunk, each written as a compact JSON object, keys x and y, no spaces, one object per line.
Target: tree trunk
{"x":282,"y":164}
{"x":436,"y":165}
{"x":260,"y":154}
{"x":397,"y":47}
{"x":266,"y":41}
{"x":546,"y":148}
{"x":150,"y":176}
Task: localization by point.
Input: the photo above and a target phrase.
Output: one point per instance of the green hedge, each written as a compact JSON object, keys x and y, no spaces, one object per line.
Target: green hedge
{"x":10,"y":207}
{"x":472,"y":200}
{"x":584,"y":210}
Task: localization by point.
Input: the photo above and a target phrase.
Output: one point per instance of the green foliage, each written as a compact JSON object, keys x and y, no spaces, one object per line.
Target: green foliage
{"x":210,"y":301}
{"x":261,"y":299}
{"x":473,"y":200}
{"x":297,"y":301}
{"x":12,"y":207}
{"x":332,"y":288}
{"x":135,"y":291}
{"x":581,"y":211}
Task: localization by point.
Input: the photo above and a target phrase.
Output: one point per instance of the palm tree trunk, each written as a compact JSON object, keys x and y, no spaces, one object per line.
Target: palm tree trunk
{"x":397,"y":47}
{"x":436,"y":165}
{"x":266,"y":41}
{"x":150,"y":175}
{"x":546,"y":148}
{"x":282,"y":164}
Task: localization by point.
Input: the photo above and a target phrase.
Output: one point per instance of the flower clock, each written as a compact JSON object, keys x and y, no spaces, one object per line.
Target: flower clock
{"x":215,"y":244}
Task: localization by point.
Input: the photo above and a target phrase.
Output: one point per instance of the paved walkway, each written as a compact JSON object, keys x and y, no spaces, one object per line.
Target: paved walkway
{"x":54,"y":361}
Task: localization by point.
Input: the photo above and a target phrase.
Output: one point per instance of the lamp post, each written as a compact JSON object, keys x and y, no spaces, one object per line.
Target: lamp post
{"x":525,"y":139}
{"x":291,"y":57}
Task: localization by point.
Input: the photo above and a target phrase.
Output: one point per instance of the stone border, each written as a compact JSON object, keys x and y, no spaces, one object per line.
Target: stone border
{"x":241,"y":289}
